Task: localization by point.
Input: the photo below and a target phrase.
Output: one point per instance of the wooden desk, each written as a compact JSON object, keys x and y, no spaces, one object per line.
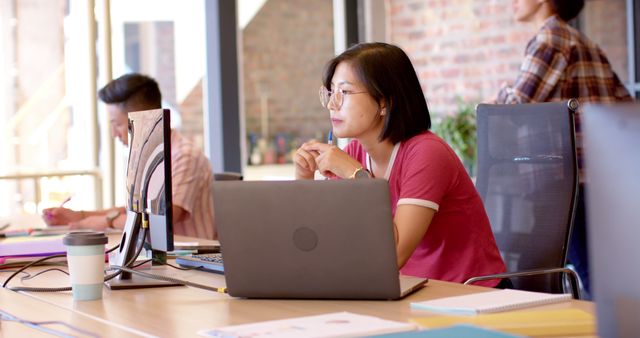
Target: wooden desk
{"x":28,"y":308}
{"x":183,"y":311}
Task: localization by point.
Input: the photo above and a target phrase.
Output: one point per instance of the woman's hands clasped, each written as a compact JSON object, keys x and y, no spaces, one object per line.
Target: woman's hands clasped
{"x":328,"y":159}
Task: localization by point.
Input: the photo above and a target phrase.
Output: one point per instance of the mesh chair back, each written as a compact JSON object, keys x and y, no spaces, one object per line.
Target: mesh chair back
{"x":527,"y":178}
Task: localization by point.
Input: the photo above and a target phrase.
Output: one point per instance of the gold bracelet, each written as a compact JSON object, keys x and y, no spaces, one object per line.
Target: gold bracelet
{"x":81,"y":214}
{"x":352,"y":176}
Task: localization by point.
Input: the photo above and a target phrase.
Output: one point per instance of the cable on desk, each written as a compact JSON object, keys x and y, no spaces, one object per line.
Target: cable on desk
{"x":141,"y":263}
{"x":179,"y":267}
{"x":40,"y":326}
{"x":4,"y":285}
{"x":12,"y":271}
{"x":112,"y":249}
{"x":29,"y":276}
{"x":172,"y":280}
{"x":68,"y":288}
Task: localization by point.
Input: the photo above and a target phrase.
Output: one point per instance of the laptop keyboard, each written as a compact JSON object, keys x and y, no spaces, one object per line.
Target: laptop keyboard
{"x":208,"y":262}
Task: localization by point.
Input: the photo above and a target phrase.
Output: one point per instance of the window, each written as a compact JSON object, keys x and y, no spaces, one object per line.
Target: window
{"x":163,"y":39}
{"x":47,"y":111}
{"x":284,"y":46}
{"x":617,"y":38}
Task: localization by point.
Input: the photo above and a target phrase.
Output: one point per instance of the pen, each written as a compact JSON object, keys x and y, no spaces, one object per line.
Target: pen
{"x":329,"y":141}
{"x":15,"y":233}
{"x":65,"y":201}
{"x":4,"y":227}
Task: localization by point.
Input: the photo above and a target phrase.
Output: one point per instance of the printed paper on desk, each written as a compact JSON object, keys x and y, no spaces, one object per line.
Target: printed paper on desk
{"x":492,"y":301}
{"x":457,"y":331}
{"x":339,"y":324}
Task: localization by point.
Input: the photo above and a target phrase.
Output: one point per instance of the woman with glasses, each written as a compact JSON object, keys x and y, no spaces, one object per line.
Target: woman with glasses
{"x":374,"y":97}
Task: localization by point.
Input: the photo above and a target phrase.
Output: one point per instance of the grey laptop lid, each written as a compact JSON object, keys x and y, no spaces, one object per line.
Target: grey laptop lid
{"x":612,"y":156}
{"x":308,"y":239}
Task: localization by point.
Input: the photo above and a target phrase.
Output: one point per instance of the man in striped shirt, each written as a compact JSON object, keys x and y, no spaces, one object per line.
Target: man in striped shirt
{"x":561,"y":63}
{"x":191,"y":174}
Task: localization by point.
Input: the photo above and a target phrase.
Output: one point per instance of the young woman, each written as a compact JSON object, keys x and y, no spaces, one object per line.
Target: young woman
{"x":374,"y":97}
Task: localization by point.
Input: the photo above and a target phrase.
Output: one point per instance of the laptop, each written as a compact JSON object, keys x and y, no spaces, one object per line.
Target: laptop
{"x":309,"y":239}
{"x":612,"y":155}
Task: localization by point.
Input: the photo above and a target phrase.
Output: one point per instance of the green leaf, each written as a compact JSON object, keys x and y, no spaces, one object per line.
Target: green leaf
{"x":459,"y":131}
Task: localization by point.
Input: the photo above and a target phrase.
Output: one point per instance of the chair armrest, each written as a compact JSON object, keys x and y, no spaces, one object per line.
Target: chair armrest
{"x":573,"y":277}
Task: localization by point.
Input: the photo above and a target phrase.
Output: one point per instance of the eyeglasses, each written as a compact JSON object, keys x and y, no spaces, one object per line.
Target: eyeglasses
{"x":337,"y":96}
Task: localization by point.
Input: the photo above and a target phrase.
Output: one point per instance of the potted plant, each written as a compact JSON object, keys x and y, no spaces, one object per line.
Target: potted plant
{"x":459,"y":131}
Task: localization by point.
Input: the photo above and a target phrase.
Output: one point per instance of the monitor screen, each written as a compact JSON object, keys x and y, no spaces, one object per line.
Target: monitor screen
{"x":149,"y":174}
{"x":148,"y":187}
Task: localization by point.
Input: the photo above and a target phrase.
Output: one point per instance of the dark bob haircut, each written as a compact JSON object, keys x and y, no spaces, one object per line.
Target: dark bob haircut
{"x":567,"y":9}
{"x":388,"y":75}
{"x":132,"y":90}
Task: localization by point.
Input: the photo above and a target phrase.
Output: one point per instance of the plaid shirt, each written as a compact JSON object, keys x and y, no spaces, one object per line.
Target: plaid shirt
{"x":560,"y":63}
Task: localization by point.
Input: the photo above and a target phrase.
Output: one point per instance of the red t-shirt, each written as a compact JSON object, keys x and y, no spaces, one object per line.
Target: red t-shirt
{"x":459,"y":243}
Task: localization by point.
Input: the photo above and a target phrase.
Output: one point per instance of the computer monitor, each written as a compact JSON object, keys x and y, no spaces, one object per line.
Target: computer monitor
{"x":611,"y":135}
{"x":148,"y":186}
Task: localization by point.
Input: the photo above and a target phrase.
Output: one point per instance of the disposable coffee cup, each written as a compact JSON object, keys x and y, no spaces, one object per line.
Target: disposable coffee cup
{"x":85,"y":257}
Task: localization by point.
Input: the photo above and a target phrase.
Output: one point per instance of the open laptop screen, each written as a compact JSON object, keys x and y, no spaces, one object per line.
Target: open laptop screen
{"x":307,"y":239}
{"x":612,"y":156}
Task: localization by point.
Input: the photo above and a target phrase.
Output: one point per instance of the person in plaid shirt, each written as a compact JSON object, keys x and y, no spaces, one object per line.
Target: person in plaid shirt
{"x":561,"y":63}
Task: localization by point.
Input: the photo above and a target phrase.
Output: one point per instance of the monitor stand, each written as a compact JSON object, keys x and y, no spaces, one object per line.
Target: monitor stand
{"x":137,"y":282}
{"x":129,"y":239}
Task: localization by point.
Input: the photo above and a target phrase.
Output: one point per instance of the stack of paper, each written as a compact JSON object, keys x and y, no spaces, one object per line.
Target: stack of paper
{"x":340,"y":324}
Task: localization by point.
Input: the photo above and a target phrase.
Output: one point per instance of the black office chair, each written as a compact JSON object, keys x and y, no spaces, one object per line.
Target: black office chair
{"x":528,"y":181}
{"x":228,"y":176}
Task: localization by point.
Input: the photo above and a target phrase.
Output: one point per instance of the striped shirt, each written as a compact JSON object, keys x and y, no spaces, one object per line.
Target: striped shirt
{"x":192,"y":179}
{"x":561,"y":63}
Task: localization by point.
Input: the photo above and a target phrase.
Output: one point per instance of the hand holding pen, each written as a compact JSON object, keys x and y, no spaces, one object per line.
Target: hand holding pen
{"x":61,"y":215}
{"x":330,"y":160}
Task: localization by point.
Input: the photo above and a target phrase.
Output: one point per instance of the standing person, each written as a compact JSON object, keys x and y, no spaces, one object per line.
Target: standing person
{"x":374,"y":96}
{"x":561,"y":63}
{"x":191,"y":174}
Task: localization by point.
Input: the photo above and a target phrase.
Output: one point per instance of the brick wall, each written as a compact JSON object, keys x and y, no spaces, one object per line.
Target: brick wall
{"x":284,"y":49}
{"x":467,"y":48}
{"x":460,"y":48}
{"x":604,"y":22}
{"x":165,"y":65}
{"x":192,"y":118}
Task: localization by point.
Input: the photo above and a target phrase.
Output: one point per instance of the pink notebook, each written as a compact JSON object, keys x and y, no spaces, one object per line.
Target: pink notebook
{"x":31,"y":246}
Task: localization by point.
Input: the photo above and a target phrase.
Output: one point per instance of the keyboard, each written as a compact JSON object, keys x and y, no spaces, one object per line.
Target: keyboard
{"x":208,"y":262}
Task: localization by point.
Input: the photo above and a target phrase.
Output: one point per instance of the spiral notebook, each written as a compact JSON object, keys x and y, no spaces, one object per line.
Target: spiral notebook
{"x":492,"y":301}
